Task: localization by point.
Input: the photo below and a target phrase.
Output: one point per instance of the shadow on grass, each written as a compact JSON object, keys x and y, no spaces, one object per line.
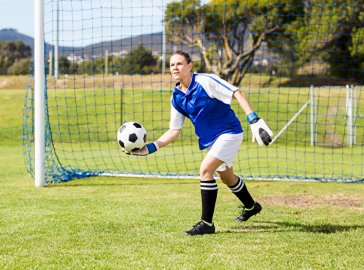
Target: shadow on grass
{"x":280,"y":226}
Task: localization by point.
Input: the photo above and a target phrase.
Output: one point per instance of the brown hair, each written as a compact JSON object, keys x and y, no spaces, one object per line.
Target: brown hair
{"x":184,"y":54}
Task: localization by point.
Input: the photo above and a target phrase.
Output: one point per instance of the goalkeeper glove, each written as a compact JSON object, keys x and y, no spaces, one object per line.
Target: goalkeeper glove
{"x":260,"y":130}
{"x":145,"y":150}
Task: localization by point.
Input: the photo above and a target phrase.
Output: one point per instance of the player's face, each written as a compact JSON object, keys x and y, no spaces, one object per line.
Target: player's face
{"x":179,"y":68}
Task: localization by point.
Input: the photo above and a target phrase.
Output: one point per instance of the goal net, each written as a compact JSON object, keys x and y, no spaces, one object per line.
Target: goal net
{"x":106,"y":63}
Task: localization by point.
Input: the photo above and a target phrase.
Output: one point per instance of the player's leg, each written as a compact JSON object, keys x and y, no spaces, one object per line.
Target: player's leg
{"x":226,"y":148}
{"x":209,"y":191}
{"x":238,"y":187}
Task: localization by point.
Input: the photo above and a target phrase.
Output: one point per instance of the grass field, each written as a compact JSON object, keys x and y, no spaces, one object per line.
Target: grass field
{"x":126,"y":223}
{"x":112,"y":223}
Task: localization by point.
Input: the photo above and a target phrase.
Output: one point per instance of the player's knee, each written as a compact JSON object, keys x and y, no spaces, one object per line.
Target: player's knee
{"x":228,"y":178}
{"x":206,"y":173}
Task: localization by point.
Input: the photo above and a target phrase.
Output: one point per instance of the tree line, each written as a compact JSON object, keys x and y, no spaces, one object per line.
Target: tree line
{"x":16,"y":59}
{"x":140,"y":60}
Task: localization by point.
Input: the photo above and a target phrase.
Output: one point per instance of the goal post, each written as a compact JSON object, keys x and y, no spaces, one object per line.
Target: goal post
{"x":98,"y":64}
{"x":312,"y":115}
{"x":39,"y":94}
{"x":346,"y":104}
{"x":350,"y":110}
{"x":351,"y":115}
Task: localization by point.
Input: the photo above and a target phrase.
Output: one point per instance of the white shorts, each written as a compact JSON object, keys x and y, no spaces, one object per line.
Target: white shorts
{"x":225,"y":148}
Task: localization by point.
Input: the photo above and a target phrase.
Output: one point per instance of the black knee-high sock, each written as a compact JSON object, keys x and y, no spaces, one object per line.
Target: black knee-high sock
{"x":240,"y":190}
{"x":208,"y":198}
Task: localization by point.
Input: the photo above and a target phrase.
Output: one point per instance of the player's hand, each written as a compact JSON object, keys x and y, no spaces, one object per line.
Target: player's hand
{"x":145,"y":150}
{"x":260,"y":130}
{"x":141,"y":152}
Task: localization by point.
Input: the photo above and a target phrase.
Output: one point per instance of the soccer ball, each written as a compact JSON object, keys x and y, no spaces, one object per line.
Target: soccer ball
{"x":131,"y":136}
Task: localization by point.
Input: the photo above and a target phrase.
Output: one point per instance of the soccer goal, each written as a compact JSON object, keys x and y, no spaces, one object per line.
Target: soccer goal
{"x":98,"y":64}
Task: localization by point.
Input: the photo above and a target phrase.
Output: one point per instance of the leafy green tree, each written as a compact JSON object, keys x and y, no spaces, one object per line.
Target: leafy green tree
{"x":63,"y":64}
{"x":20,"y":67}
{"x":229,"y":32}
{"x":12,"y":51}
{"x":73,"y":68}
{"x":334,"y":32}
{"x":139,"y":60}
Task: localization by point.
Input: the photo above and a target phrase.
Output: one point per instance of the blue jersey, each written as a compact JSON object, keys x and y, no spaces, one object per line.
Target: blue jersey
{"x":207,"y":103}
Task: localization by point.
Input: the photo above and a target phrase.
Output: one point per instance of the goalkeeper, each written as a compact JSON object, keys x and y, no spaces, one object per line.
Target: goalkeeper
{"x":205,"y":99}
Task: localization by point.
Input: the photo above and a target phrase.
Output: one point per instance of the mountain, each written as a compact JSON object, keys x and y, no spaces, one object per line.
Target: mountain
{"x":151,"y":41}
{"x":10,"y":34}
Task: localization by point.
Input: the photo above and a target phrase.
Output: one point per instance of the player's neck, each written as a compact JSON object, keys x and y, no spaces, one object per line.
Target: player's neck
{"x":185,"y":83}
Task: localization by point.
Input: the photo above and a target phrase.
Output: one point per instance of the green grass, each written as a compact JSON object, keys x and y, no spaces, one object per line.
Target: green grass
{"x":11,"y":105}
{"x":126,"y":223}
{"x":129,"y":223}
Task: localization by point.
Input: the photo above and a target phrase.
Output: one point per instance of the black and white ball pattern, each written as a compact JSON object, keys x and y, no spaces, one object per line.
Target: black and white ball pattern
{"x":131,"y":136}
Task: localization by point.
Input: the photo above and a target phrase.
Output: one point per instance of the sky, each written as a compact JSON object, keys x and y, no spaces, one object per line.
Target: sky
{"x":83,"y":18}
{"x":119,"y":19}
{"x":18,"y":14}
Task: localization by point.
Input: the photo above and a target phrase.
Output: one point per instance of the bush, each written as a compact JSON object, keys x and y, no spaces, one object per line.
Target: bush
{"x":20,"y":67}
{"x":11,"y":52}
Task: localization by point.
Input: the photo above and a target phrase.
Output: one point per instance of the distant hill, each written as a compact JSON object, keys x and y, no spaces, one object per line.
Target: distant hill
{"x":10,"y":34}
{"x":151,"y":41}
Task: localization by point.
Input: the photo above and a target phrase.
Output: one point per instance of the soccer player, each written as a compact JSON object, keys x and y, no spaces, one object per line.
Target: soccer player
{"x":205,"y":99}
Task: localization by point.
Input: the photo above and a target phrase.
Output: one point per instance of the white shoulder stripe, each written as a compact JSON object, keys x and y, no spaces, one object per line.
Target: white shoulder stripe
{"x":216,"y":87}
{"x":215,"y":78}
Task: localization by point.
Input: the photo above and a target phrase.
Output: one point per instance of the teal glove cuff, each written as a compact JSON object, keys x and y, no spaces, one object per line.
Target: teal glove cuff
{"x":252,"y":118}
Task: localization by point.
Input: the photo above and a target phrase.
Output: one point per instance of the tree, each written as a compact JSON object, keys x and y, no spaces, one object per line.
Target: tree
{"x":12,"y":51}
{"x":229,"y":32}
{"x":334,"y":32}
{"x":63,"y":64}
{"x":20,"y":67}
{"x":139,"y":60}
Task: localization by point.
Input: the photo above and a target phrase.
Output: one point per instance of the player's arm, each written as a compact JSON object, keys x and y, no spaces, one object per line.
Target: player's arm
{"x":243,"y":102}
{"x":260,"y":130}
{"x":168,"y":137}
